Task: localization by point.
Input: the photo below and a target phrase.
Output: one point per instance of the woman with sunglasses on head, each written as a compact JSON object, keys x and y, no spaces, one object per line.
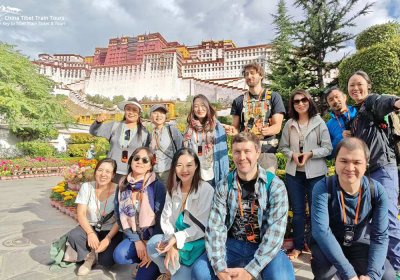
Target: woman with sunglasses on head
{"x":97,"y":231}
{"x":305,"y":141}
{"x":206,"y":136}
{"x":138,"y":203}
{"x":183,"y":219}
{"x":124,"y":136}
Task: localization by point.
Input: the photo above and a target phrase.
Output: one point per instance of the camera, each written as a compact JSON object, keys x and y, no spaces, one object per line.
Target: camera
{"x":99,"y":224}
{"x":250,"y":123}
{"x":348,"y":235}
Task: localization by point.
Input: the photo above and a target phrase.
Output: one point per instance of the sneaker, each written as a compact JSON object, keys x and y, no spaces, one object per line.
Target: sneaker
{"x":86,"y":267}
{"x":164,"y":276}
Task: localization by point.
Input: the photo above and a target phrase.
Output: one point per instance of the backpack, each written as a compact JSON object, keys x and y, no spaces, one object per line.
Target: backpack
{"x":270,"y":177}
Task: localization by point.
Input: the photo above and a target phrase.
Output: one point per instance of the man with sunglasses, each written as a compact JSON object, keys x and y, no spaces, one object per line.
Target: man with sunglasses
{"x":341,"y":115}
{"x":247,"y":221}
{"x":259,"y":111}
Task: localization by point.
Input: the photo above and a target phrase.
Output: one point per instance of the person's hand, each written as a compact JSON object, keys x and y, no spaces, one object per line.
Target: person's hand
{"x":93,"y":240}
{"x":265,"y":130}
{"x":101,"y":118}
{"x":364,"y":277}
{"x":229,"y":129}
{"x":224,"y":275}
{"x":355,"y":278}
{"x":103,"y":244}
{"x":306,"y":156}
{"x":295,"y":157}
{"x":173,"y":257}
{"x":145,"y":262}
{"x":163,"y":248}
{"x":140,"y":249}
{"x":239,"y":273}
{"x":346,"y":133}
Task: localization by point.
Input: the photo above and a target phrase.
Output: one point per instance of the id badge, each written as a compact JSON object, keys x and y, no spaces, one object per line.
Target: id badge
{"x":124,"y":156}
{"x":200,"y":150}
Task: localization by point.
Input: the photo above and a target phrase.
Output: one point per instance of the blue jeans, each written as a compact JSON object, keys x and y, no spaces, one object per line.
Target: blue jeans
{"x":125,"y":253}
{"x":357,"y":255}
{"x":388,"y":177}
{"x":239,"y":254}
{"x":183,"y":273}
{"x":298,"y":187}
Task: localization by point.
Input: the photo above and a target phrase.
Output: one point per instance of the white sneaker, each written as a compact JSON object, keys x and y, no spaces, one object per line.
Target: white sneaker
{"x":86,"y":267}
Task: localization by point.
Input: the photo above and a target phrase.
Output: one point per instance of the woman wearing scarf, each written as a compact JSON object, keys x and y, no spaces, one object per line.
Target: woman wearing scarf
{"x":206,"y":136}
{"x":139,"y":201}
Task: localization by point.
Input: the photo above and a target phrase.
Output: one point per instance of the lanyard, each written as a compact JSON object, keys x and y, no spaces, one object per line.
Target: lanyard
{"x":105,"y":205}
{"x":199,"y":140}
{"x":348,"y":117}
{"x":253,"y":204}
{"x":344,"y":206}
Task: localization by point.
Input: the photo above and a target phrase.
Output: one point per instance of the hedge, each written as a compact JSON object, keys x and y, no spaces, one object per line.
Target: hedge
{"x":36,"y":149}
{"x":78,"y":150}
{"x":382,"y":33}
{"x":82,"y":138}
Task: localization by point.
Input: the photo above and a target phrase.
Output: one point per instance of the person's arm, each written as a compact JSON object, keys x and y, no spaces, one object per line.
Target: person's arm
{"x":274,"y":127}
{"x":101,"y":129}
{"x":325,"y":148}
{"x":107,"y":239}
{"x":216,"y":232}
{"x":178,"y":138}
{"x":166,"y":224}
{"x":381,"y":105}
{"x":284,"y":144}
{"x":159,"y":201}
{"x":322,"y":233}
{"x":221,"y":159}
{"x":379,"y":238}
{"x":202,"y":212}
{"x":272,"y":239}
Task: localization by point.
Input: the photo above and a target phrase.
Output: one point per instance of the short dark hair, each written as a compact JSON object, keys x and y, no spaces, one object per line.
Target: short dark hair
{"x":312,"y":109}
{"x":254,"y":66}
{"x":107,"y":160}
{"x":351,"y":144}
{"x":245,"y":136}
{"x":152,"y":159}
{"x":329,"y":90}
{"x":173,"y":178}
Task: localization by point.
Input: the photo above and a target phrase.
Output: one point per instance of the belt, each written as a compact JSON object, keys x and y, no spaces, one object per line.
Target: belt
{"x":273,"y":142}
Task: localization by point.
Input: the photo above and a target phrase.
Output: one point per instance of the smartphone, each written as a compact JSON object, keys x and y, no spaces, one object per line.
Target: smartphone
{"x":301,"y":157}
{"x":200,"y":150}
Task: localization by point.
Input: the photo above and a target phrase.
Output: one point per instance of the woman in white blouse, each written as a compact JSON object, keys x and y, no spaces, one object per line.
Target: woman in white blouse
{"x":97,"y":231}
{"x":183,"y":219}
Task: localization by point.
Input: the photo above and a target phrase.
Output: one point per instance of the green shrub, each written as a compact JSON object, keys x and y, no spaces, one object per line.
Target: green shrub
{"x":101,"y":147}
{"x":382,"y":33}
{"x":78,"y":150}
{"x":36,"y":149}
{"x":281,"y":161}
{"x":82,"y":138}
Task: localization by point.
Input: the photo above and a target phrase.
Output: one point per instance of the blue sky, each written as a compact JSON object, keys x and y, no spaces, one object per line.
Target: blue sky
{"x":82,"y":25}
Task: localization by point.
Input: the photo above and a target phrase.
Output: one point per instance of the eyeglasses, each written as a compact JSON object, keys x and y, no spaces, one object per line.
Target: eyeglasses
{"x":108,"y":172}
{"x":127,"y":135}
{"x":304,"y":100}
{"x":145,"y":160}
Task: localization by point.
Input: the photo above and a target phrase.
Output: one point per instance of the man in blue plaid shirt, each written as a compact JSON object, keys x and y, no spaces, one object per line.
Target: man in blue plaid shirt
{"x":247,"y":221}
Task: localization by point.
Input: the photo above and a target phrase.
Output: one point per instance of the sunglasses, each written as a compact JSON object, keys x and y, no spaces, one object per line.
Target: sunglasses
{"x":127,"y":135}
{"x":145,"y":160}
{"x":297,"y":101}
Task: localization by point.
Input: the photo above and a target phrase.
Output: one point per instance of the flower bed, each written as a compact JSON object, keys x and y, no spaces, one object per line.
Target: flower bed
{"x":63,"y":199}
{"x":33,"y":167}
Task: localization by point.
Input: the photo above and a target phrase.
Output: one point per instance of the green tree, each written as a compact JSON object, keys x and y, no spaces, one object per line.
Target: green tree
{"x":378,"y":54}
{"x":117,"y":99}
{"x":322,"y":31}
{"x":287,"y":71}
{"x":25,"y":100}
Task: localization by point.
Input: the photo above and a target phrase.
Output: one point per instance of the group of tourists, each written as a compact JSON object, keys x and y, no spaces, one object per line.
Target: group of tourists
{"x":169,"y":203}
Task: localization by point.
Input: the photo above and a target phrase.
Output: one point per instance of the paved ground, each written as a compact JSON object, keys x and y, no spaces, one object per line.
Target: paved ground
{"x":29,"y":224}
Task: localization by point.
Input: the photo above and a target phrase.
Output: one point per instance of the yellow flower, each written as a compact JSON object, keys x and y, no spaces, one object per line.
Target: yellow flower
{"x":290,"y":214}
{"x":68,"y":197}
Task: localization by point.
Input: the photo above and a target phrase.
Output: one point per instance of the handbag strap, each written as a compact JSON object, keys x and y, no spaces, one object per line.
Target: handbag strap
{"x":194,"y":220}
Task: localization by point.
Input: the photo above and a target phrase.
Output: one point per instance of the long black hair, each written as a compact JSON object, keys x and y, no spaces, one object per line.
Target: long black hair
{"x":173,"y":178}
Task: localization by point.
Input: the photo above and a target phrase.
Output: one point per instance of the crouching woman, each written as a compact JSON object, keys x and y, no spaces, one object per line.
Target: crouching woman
{"x":183,"y":219}
{"x":97,"y":231}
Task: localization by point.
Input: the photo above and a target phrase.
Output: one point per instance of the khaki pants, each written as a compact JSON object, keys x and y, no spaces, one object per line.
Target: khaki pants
{"x":268,"y":161}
